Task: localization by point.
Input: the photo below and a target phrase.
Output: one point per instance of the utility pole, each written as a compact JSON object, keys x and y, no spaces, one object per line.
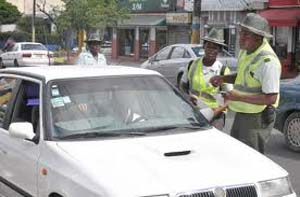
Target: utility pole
{"x":33,"y":22}
{"x":196,"y":22}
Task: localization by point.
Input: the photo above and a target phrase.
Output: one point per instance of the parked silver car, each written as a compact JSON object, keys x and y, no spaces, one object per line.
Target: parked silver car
{"x":172,"y":60}
{"x":26,"y":54}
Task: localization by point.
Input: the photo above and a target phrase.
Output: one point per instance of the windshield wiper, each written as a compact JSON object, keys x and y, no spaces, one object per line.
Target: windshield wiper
{"x":101,"y":134}
{"x":175,"y":127}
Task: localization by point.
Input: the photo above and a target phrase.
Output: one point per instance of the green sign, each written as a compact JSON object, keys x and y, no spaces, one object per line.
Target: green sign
{"x":147,"y":5}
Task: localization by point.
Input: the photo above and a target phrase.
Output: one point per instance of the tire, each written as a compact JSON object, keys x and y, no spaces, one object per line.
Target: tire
{"x":1,"y":64}
{"x":291,"y":131}
{"x":16,"y":64}
{"x":179,"y":76}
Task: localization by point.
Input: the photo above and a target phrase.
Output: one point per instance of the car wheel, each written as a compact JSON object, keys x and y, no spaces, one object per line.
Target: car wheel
{"x":179,"y":76}
{"x":1,"y":64}
{"x":16,"y":64}
{"x":292,"y":131}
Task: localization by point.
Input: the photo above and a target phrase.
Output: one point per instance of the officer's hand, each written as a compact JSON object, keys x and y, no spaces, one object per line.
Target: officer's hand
{"x":216,"y":80}
{"x":194,"y":99}
{"x":83,"y":107}
{"x":231,"y":95}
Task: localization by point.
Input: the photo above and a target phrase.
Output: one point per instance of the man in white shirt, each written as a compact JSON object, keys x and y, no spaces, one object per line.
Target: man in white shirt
{"x":92,"y":56}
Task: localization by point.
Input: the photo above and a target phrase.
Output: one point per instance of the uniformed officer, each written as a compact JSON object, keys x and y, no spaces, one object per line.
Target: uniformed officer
{"x":195,"y":80}
{"x":256,"y":84}
{"x":92,"y":56}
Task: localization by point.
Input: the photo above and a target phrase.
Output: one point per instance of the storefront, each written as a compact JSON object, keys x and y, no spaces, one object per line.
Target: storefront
{"x":179,"y":27}
{"x":140,"y":36}
{"x":285,"y":24}
{"x":225,"y":21}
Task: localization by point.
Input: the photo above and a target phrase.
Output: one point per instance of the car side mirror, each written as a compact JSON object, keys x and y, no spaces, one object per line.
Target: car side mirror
{"x":151,"y":59}
{"x":21,"y":130}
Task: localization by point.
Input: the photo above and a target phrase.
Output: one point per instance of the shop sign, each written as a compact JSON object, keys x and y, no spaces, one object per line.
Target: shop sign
{"x":146,"y":5}
{"x":178,"y":18}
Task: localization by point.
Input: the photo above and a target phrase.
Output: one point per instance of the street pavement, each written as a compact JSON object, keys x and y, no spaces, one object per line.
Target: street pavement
{"x":124,"y":62}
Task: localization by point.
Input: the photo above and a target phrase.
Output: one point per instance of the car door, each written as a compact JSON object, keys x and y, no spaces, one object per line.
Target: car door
{"x":161,"y":58}
{"x":178,"y":58}
{"x":7,"y":56}
{"x":12,"y":55}
{"x":19,"y":158}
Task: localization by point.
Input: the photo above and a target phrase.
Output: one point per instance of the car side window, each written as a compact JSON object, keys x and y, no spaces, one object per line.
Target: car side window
{"x":187,"y":54}
{"x":163,"y":54}
{"x":178,"y":52}
{"x":15,"y":48}
{"x":10,"y":48}
{"x":27,"y":104}
{"x":7,"y":85}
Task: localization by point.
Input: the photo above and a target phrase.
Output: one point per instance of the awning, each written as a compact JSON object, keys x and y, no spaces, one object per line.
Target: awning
{"x":282,"y":17}
{"x":143,"y":21}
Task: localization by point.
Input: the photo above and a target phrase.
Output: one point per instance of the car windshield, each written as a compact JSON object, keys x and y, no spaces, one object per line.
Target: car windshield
{"x":26,"y":47}
{"x":199,"y":51}
{"x":121,"y":106}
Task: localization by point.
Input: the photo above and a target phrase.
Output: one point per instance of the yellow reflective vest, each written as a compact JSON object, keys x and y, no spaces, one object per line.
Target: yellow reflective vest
{"x":198,"y":86}
{"x":245,"y":82}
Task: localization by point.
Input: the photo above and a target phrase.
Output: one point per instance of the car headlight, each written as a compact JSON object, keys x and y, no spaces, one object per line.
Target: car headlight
{"x":276,"y":187}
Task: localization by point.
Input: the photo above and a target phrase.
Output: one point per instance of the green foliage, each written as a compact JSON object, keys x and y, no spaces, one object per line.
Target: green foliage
{"x":8,"y":13}
{"x":88,"y":14}
{"x":16,"y":36}
{"x":42,"y":29}
{"x":24,"y":24}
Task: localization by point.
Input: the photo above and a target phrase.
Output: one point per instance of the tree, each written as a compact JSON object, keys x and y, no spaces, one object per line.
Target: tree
{"x":89,"y":14}
{"x":42,"y":29}
{"x":8,"y":13}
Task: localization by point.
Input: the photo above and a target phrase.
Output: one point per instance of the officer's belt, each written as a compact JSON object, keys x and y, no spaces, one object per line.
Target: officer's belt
{"x":202,"y":94}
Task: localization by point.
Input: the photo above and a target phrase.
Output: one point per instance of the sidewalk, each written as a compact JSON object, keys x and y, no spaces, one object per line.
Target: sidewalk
{"x":124,"y":61}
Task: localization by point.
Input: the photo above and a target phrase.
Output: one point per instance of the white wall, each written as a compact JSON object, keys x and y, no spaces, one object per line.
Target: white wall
{"x":25,"y":6}
{"x":8,"y":27}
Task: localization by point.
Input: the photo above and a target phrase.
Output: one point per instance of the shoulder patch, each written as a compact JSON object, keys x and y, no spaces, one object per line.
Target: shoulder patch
{"x":267,"y":60}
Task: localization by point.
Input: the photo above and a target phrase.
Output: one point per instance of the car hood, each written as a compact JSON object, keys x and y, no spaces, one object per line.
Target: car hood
{"x":196,"y":160}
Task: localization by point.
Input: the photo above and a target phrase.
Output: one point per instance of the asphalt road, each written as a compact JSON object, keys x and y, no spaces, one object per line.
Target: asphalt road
{"x":277,"y":151}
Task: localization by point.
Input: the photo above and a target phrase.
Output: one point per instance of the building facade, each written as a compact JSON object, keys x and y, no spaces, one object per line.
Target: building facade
{"x":225,"y":15}
{"x":284,"y":17}
{"x":151,"y":26}
{"x":26,"y":6}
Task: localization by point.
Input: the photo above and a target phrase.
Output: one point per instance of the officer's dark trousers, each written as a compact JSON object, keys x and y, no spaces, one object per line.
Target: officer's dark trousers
{"x":250,"y":129}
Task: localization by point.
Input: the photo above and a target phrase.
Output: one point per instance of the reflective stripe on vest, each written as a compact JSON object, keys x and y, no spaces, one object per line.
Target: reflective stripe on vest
{"x":198,"y":85}
{"x":246,"y":84}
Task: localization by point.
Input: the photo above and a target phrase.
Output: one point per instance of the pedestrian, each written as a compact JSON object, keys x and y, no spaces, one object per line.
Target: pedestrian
{"x":92,"y":56}
{"x":195,"y":80}
{"x":256,"y":84}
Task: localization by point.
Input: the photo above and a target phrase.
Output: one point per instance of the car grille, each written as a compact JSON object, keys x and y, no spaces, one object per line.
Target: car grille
{"x":242,"y":191}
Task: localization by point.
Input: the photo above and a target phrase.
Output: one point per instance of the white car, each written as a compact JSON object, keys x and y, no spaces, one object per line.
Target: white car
{"x":26,"y":54}
{"x":171,"y":61}
{"x":119,"y":132}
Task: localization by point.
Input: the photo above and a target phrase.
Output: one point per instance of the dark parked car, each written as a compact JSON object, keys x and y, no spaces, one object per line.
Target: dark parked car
{"x":172,"y":60}
{"x":288,"y":112}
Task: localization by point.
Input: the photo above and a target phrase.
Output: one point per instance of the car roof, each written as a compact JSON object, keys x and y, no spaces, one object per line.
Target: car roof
{"x":48,"y":73}
{"x":188,"y":45}
{"x":29,"y":43}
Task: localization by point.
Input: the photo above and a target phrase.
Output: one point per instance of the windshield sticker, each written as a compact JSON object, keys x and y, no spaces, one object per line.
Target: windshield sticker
{"x":66,"y":99}
{"x":57,"y":102}
{"x":55,"y":92}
